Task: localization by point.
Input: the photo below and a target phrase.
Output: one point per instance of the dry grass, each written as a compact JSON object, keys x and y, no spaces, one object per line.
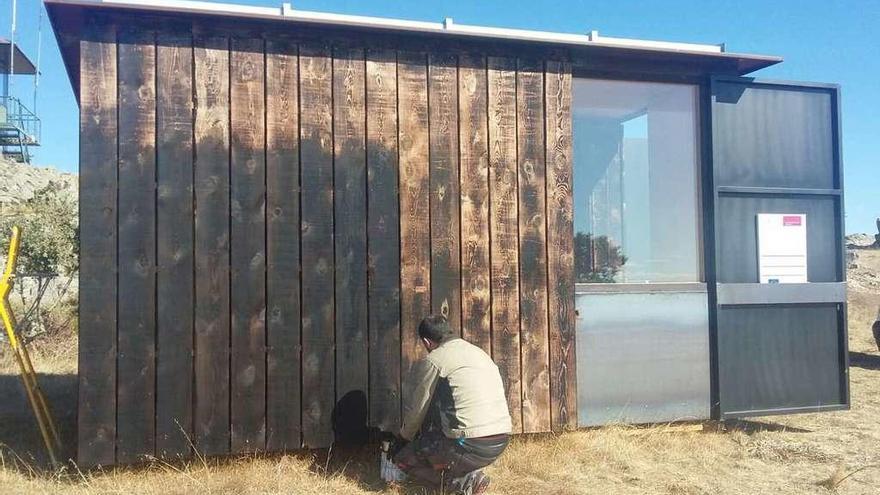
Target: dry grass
{"x":813,"y":453}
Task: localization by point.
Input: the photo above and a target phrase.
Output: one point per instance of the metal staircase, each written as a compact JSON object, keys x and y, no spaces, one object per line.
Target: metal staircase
{"x":19,"y":125}
{"x":19,"y":130}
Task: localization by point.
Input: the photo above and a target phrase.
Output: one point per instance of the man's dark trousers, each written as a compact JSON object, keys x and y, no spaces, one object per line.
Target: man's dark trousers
{"x":434,"y":459}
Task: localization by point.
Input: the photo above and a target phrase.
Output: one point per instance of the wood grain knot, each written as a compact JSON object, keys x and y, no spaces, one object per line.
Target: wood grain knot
{"x":248,"y":376}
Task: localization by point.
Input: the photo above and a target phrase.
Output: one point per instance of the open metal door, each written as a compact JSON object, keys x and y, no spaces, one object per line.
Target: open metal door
{"x":777,"y":347}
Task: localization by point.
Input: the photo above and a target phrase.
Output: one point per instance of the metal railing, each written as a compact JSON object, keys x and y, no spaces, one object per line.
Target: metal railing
{"x":13,"y":114}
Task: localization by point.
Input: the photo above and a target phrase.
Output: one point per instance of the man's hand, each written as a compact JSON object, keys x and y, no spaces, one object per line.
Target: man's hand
{"x":396,"y":445}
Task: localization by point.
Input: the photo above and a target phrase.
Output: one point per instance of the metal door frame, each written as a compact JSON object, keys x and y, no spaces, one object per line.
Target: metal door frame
{"x":711,"y":194}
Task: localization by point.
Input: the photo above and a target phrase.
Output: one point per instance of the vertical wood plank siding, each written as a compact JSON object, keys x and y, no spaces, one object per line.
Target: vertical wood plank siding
{"x":476,"y":312}
{"x":415,"y":236}
{"x":316,"y":199}
{"x":383,"y":237}
{"x":136,"y":304}
{"x":174,"y":244}
{"x":211,"y":134}
{"x":560,"y":246}
{"x":282,"y":248}
{"x":247,"y":255}
{"x":443,"y":180}
{"x":350,"y":198}
{"x":96,"y":435}
{"x":532,"y":247}
{"x":267,"y":221}
{"x":503,"y":229}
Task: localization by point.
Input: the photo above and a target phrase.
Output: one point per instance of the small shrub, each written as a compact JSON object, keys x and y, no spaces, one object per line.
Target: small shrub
{"x":50,"y":232}
{"x":48,"y":259}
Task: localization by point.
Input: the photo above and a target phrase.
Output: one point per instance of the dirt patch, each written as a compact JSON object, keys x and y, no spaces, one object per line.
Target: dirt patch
{"x":862,"y":270}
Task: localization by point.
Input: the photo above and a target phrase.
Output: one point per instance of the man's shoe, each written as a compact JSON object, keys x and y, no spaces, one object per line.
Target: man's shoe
{"x":473,"y":483}
{"x":481,"y":483}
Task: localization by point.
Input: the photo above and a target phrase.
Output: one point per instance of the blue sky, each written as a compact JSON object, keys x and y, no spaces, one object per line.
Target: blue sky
{"x":825,"y":41}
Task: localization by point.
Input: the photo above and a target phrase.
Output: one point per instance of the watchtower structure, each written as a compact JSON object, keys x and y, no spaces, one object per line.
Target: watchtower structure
{"x":19,"y":125}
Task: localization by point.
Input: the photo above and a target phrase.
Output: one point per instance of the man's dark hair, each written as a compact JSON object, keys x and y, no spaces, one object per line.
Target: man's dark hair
{"x":435,"y":328}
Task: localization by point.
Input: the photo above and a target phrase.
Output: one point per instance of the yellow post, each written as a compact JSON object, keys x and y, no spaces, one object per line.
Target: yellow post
{"x":28,"y":376}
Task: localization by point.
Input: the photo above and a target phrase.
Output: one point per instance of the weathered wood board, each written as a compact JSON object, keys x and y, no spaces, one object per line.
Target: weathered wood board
{"x":560,"y":247}
{"x":136,"y":300}
{"x":383,"y":235}
{"x":532,"y":247}
{"x":503,"y":229}
{"x":174,"y":244}
{"x":476,"y":310}
{"x":317,"y":223}
{"x":444,"y":186}
{"x":283,"y":355}
{"x":247,"y":256}
{"x":96,"y":431}
{"x":211,"y":182}
{"x":415,"y":236}
{"x":350,"y":414}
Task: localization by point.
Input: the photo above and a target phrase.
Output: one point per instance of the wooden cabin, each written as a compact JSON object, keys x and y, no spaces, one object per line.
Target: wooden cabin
{"x":272,"y":199}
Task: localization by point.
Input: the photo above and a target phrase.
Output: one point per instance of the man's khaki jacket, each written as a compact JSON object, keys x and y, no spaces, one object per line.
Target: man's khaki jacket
{"x":467,"y":387}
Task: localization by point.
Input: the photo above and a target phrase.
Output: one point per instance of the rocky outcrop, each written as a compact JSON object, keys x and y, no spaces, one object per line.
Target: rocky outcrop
{"x":18,"y":181}
{"x":861,"y":241}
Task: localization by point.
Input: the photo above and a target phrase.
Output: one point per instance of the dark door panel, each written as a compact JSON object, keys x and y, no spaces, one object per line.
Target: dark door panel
{"x":775,"y":149}
{"x":779,"y":357}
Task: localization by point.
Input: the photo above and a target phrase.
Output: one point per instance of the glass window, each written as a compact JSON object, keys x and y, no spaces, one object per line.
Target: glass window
{"x":636,"y":201}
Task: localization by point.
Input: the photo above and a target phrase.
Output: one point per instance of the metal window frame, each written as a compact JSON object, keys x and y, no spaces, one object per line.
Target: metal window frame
{"x":649,"y":288}
{"x":698,"y":84}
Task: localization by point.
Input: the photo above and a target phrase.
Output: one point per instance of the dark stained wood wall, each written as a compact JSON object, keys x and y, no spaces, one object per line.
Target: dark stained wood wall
{"x":281,"y":214}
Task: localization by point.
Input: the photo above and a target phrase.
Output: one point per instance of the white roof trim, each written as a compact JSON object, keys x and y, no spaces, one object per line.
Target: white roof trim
{"x":448,"y":27}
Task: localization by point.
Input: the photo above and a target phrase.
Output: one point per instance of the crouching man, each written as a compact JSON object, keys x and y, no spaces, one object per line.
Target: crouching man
{"x":456,"y":420}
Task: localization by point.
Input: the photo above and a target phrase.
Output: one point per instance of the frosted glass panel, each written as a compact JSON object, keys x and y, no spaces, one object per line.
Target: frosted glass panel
{"x":642,"y":358}
{"x":635,"y":182}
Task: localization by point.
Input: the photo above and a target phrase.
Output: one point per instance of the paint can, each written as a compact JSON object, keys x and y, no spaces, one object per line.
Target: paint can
{"x":387,"y":469}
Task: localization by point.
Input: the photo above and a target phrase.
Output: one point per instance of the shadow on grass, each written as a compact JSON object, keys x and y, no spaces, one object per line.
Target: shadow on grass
{"x":21,"y":445}
{"x":750,"y":426}
{"x":19,"y":434}
{"x":864,"y":360}
{"x":360,"y":463}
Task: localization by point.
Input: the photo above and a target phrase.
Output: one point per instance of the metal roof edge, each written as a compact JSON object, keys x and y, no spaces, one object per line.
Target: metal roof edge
{"x":287,"y":13}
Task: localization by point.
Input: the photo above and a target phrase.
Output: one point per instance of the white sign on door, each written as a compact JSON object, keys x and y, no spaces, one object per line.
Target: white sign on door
{"x":782,"y":248}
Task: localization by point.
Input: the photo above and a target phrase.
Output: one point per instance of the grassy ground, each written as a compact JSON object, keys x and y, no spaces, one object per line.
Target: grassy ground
{"x":783,"y":454}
